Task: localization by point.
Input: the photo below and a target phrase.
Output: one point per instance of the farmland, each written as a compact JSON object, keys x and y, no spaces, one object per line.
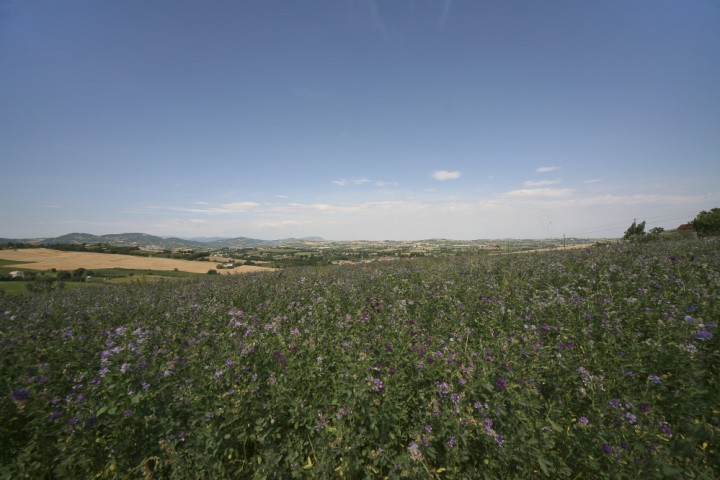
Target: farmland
{"x":588,"y":363}
{"x":45,"y":259}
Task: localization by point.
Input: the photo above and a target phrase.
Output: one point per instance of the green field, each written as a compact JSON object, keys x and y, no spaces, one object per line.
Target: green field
{"x":597,"y":363}
{"x":98,"y":276}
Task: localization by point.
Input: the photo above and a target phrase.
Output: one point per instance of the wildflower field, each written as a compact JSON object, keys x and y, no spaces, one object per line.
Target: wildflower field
{"x":593,"y":363}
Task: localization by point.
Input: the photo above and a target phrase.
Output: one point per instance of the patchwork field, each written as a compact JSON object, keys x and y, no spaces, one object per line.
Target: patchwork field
{"x":45,"y":258}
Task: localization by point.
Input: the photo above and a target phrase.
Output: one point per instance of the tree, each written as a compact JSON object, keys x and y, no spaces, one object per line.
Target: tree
{"x":707,"y":223}
{"x":635,"y":230}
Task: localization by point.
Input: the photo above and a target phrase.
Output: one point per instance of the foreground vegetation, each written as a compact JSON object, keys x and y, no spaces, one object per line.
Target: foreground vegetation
{"x":593,"y":363}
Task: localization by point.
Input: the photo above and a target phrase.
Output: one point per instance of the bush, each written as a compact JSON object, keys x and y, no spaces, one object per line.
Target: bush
{"x":707,"y":223}
{"x":43,"y":284}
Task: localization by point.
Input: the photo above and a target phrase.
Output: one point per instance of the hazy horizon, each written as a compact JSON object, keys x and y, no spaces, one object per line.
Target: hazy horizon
{"x":357,"y":119}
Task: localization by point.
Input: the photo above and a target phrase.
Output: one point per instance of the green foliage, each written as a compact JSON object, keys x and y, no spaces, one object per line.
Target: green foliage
{"x":707,"y":223}
{"x":635,"y":230}
{"x":44,"y":284}
{"x":63,"y":275}
{"x":596,"y":363}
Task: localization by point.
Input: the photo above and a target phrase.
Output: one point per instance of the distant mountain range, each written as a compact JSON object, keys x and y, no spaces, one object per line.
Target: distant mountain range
{"x":145,"y":240}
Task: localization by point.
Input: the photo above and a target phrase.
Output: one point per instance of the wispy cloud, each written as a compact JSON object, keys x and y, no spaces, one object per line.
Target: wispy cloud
{"x":546,"y":169}
{"x":342,"y":182}
{"x":592,"y":180}
{"x":446,"y":10}
{"x":443,"y":175}
{"x":540,"y":183}
{"x":377,"y":19}
{"x":280,"y":224}
{"x":225,"y":208}
{"x":539,"y":193}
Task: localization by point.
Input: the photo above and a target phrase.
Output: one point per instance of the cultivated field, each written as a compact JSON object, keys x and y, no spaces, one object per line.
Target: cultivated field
{"x":595,"y":363}
{"x":45,"y":259}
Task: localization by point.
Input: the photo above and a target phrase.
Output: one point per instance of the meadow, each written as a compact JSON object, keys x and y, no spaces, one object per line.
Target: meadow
{"x":596,"y":363}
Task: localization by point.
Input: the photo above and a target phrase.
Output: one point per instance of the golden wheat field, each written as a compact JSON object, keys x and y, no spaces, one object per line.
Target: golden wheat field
{"x":45,"y":259}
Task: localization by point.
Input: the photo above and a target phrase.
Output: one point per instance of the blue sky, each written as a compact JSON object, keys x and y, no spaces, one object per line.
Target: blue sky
{"x":357,"y":119}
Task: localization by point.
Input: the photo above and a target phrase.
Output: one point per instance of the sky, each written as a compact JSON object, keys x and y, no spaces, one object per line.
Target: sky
{"x":357,"y":119}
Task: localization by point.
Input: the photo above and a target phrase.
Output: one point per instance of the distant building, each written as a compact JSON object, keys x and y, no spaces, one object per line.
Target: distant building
{"x":17,"y":274}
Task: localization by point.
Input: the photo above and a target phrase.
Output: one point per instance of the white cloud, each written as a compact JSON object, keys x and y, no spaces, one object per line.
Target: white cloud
{"x":225,"y":208}
{"x":280,"y":224}
{"x":539,"y":193}
{"x":443,"y":175}
{"x":383,"y":183}
{"x":546,"y":169}
{"x":592,"y":180}
{"x":342,"y":182}
{"x":540,"y":183}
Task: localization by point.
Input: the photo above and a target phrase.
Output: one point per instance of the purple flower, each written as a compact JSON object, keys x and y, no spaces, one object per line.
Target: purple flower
{"x":455,"y":398}
{"x":654,"y":379}
{"x":443,"y":388}
{"x":127,"y":413}
{"x":54,"y":416}
{"x":607,"y":448}
{"x":630,"y":417}
{"x":414,"y":450}
{"x":703,"y":335}
{"x":90,"y":421}
{"x":377,"y":384}
{"x":501,"y":383}
{"x":615,"y":403}
{"x":451,"y":443}
{"x":584,"y":420}
{"x":428,"y":429}
{"x":19,"y":395}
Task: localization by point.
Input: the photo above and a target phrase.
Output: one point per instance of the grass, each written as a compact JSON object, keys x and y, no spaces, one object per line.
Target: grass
{"x":98,"y":277}
{"x":16,"y":287}
{"x":4,"y":263}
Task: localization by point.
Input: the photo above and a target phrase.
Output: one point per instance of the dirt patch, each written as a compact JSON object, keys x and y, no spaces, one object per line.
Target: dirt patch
{"x":45,"y":259}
